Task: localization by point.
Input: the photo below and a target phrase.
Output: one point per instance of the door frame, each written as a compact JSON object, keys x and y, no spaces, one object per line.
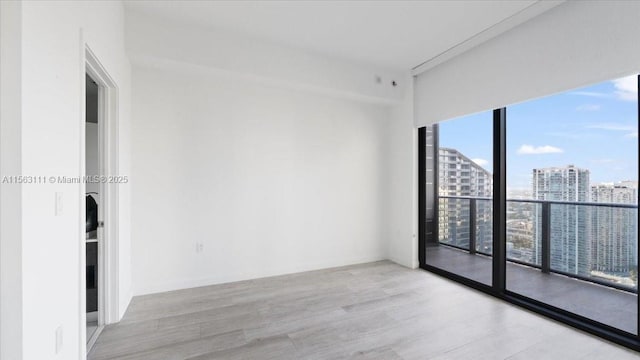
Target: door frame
{"x":108,"y":249}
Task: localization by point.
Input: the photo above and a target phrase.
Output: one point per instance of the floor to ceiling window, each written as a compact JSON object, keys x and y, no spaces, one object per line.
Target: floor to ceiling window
{"x":464,"y":198}
{"x":572,"y":185}
{"x":564,"y":236}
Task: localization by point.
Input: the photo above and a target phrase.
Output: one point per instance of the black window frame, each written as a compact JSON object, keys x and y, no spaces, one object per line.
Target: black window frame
{"x":428,"y":233}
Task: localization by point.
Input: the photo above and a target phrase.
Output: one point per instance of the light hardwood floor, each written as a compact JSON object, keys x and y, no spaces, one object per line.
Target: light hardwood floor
{"x":371,"y":311}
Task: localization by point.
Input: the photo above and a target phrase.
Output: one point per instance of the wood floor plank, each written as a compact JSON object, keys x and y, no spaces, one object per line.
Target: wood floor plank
{"x":193,"y":348}
{"x":368,"y":311}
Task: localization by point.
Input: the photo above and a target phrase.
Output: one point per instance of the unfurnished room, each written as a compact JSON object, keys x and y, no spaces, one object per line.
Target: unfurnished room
{"x":324,"y":179}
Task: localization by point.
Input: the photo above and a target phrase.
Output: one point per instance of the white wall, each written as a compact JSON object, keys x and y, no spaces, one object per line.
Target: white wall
{"x":10,"y":194}
{"x":575,"y":44}
{"x":273,"y":158}
{"x":270,"y":180}
{"x":402,"y":191}
{"x":52,"y":83}
{"x":256,"y":59}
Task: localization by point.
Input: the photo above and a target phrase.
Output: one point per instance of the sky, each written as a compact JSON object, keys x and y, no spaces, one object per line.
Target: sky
{"x":595,"y":127}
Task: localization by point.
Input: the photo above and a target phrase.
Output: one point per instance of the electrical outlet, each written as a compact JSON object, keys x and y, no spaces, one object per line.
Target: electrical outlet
{"x":199,"y":247}
{"x":59,"y":339}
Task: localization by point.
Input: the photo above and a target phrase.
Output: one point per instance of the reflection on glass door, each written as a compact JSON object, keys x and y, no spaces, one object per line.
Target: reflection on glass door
{"x":463,"y":160}
{"x":572,"y":189}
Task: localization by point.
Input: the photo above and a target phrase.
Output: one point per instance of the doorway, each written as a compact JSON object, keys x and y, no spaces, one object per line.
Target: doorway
{"x":99,"y":202}
{"x":92,"y":207}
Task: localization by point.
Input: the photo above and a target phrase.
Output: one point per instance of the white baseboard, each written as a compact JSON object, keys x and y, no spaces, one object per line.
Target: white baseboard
{"x":146,"y":289}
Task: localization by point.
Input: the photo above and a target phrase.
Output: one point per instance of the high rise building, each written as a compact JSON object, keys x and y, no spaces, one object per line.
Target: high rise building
{"x":461,"y":176}
{"x":614,"y":231}
{"x":520,"y":237}
{"x":569,"y":224}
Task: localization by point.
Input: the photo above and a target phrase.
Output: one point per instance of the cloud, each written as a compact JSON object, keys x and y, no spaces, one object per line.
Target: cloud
{"x":589,"y":107}
{"x":631,"y":130}
{"x":481,"y":162}
{"x":626,"y":88}
{"x":572,"y":135}
{"x":534,"y":150}
{"x":613,"y":127}
{"x":591,"y":94}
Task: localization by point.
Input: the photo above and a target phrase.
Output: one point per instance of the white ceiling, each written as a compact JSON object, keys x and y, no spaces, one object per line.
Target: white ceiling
{"x":397,"y":35}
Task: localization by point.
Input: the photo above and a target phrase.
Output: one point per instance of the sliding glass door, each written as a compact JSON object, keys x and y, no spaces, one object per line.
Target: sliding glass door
{"x":572,"y":182}
{"x":463,"y":160}
{"x":537,"y":203}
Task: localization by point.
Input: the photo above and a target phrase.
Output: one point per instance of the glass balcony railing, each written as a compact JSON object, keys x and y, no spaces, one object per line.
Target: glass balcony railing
{"x":596,"y":242}
{"x":466,"y":223}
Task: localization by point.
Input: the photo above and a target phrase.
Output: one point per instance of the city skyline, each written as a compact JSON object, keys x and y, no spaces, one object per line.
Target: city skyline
{"x":594,"y":127}
{"x":460,"y":176}
{"x":588,"y":241}
{"x":614,"y":232}
{"x":570,"y":240}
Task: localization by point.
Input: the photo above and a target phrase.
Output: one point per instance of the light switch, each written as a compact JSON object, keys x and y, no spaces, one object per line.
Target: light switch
{"x":58,"y":339}
{"x":59,"y":207}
